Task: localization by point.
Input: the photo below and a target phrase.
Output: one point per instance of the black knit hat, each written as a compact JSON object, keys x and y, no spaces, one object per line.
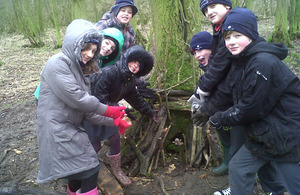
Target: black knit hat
{"x":205,"y":3}
{"x":242,"y":20}
{"x":201,"y":40}
{"x":123,"y":3}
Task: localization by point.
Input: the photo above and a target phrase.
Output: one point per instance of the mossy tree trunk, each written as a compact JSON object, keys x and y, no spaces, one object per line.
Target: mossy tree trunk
{"x":294,"y":19}
{"x":280,"y":32}
{"x":174,"y":23}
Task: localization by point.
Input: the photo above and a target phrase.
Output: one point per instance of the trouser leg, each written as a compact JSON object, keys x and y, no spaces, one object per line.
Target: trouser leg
{"x":290,"y":174}
{"x":237,"y":139}
{"x":242,"y":169}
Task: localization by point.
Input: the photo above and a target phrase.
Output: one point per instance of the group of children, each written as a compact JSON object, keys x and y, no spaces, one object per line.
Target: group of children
{"x":245,"y":87}
{"x":250,"y":89}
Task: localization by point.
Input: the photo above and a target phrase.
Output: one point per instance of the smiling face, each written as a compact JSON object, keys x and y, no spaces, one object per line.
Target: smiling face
{"x":202,"y":56}
{"x":88,"y":52}
{"x":216,"y":12}
{"x":107,"y":47}
{"x":125,"y":14}
{"x":134,"y":67}
{"x":236,"y":42}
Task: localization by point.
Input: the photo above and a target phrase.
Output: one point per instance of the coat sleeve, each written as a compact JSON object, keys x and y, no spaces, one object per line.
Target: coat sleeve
{"x":99,"y":119}
{"x":66,"y":87}
{"x":261,"y":91}
{"x":138,"y":102}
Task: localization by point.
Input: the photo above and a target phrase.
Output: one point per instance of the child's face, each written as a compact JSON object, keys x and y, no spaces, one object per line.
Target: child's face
{"x":88,"y":53}
{"x":107,"y":47}
{"x":216,"y":12}
{"x":134,"y":67}
{"x":236,"y":42}
{"x":202,"y":56}
{"x":125,"y":14}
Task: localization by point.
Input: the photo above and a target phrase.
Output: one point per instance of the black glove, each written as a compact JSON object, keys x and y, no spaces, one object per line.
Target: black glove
{"x":215,"y":120}
{"x":199,"y":118}
{"x":128,"y":112}
{"x":144,"y":91}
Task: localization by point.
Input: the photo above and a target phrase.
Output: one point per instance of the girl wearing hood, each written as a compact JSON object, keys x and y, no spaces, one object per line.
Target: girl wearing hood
{"x":111,"y":85}
{"x":64,"y":101}
{"x":265,"y":93}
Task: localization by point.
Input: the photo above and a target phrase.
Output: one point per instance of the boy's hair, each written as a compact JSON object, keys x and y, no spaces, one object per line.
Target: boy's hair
{"x":241,"y":20}
{"x":124,"y":3}
{"x":201,"y":40}
{"x":205,"y":3}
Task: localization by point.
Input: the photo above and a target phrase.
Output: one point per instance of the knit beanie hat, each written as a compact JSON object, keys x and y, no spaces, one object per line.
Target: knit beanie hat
{"x":205,"y":3}
{"x":123,"y":3}
{"x":201,"y":40}
{"x":242,"y":20}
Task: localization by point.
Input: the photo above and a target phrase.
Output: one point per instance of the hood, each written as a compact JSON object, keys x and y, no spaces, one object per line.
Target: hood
{"x":118,"y":36}
{"x":77,"y":34}
{"x":136,"y":53}
{"x":260,"y":45}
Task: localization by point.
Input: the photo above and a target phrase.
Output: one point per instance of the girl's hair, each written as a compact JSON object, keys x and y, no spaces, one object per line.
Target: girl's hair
{"x":92,"y":65}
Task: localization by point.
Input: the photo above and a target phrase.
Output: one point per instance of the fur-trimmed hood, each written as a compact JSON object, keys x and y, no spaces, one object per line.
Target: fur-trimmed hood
{"x":136,"y":53}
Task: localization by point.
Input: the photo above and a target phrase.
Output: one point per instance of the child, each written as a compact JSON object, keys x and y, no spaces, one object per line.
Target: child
{"x":64,"y":101}
{"x":265,"y":93}
{"x":110,"y":86}
{"x":109,"y":52}
{"x":119,"y":17}
{"x":200,"y":47}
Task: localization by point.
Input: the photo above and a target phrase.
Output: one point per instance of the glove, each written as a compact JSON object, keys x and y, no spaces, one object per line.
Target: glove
{"x":128,"y":113}
{"x":215,"y":121}
{"x":114,"y":111}
{"x":196,"y":103}
{"x":122,"y":124}
{"x":144,"y":91}
{"x":202,"y":94}
{"x":199,"y":118}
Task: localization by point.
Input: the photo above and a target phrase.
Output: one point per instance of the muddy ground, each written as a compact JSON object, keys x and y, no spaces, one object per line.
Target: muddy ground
{"x":20,"y":66}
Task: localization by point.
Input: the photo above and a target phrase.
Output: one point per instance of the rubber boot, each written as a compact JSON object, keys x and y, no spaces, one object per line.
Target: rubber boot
{"x":69,"y":192}
{"x":92,"y":192}
{"x":115,"y":163}
{"x":223,"y":168}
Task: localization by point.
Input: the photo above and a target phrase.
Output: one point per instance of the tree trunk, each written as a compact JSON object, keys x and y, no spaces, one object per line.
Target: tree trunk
{"x":280,"y":32}
{"x":294,"y":19}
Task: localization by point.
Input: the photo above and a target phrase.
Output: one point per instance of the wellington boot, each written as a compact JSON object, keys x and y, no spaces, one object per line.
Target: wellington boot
{"x":115,"y":163}
{"x":69,"y":192}
{"x":92,"y":192}
{"x":223,"y":168}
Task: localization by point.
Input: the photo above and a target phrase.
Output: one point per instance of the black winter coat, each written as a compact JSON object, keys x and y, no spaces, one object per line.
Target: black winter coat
{"x":218,"y":64}
{"x":266,"y":95}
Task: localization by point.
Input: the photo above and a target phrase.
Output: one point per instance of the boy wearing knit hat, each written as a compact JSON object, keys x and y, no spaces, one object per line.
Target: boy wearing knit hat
{"x":265,"y":93}
{"x":200,"y":47}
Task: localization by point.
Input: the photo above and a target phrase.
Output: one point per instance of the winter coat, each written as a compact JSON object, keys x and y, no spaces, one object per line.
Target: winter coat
{"x":110,"y":20}
{"x":64,"y":101}
{"x":218,"y":63}
{"x":115,"y":83}
{"x":266,"y":95}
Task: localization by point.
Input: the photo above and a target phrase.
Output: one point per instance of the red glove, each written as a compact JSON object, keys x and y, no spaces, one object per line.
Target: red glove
{"x":114,"y":111}
{"x":122,"y":124}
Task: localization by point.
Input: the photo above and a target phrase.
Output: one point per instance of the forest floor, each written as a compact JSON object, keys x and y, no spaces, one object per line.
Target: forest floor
{"x":20,"y":66}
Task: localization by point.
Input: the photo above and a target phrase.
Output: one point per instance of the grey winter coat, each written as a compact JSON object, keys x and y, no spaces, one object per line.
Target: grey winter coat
{"x":64,"y":101}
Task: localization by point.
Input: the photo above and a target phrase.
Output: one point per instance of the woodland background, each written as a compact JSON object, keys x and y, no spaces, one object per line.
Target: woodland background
{"x":32,"y":30}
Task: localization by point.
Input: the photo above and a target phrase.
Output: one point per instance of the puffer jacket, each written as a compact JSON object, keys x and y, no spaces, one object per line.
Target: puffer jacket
{"x":64,"y":101}
{"x":110,"y":20}
{"x":266,"y":95}
{"x":117,"y":82}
